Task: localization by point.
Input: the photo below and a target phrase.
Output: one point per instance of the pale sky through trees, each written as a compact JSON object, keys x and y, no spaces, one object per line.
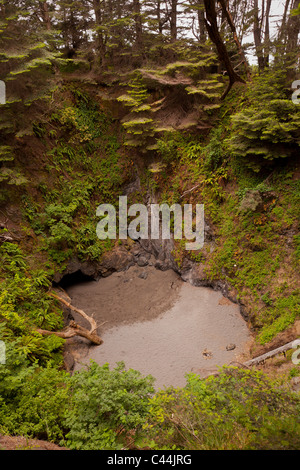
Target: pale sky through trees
{"x":277,"y":8}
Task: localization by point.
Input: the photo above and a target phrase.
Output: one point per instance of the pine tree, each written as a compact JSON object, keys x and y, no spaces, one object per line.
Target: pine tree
{"x":138,"y":123}
{"x":268,"y":129}
{"x":26,"y":70}
{"x":73,"y":20}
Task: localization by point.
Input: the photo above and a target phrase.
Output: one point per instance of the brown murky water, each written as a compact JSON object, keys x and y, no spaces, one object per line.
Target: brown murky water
{"x":162,"y":326}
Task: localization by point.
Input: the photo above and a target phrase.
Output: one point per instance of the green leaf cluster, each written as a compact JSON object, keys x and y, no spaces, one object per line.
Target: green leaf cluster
{"x":32,"y":398}
{"x":105,"y":405}
{"x":267,"y":128}
{"x":25,"y":306}
{"x":236,"y":409}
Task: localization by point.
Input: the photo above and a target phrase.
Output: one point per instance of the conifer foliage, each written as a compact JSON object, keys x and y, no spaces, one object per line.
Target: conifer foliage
{"x":138,"y":124}
{"x":26,"y":60}
{"x":269,"y":127}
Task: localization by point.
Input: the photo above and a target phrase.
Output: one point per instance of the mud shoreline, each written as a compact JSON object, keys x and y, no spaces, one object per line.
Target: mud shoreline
{"x":160,"y":325}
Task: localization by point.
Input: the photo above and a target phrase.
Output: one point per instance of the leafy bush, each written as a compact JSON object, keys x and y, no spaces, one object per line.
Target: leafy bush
{"x":214,"y":153}
{"x":32,"y":399}
{"x":238,"y":409}
{"x":168,"y":146}
{"x":297,"y":243}
{"x":83,"y":117}
{"x":105,"y":404}
{"x":283,"y":314}
{"x":25,"y":305}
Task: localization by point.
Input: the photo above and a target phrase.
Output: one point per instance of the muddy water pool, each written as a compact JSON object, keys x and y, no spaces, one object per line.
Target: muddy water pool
{"x":159,"y":325}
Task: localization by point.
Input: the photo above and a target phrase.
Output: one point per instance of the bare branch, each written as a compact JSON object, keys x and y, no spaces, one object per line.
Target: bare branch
{"x":74,"y":329}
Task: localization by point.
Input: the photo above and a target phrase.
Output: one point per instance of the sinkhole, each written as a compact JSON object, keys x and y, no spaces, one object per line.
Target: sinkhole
{"x":158,"y":324}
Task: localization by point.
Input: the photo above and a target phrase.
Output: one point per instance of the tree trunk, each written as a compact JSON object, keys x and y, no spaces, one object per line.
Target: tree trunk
{"x":257,"y":37}
{"x":293,"y":29}
{"x":73,"y":330}
{"x":213,"y":31}
{"x":268,"y":355}
{"x":173,"y":20}
{"x":75,"y":38}
{"x":158,"y":17}
{"x":267,"y":35}
{"x":138,"y":25}
{"x":162,"y":16}
{"x":282,"y":30}
{"x":100,"y":41}
{"x":45,"y":14}
{"x":201,"y":22}
{"x":235,"y":37}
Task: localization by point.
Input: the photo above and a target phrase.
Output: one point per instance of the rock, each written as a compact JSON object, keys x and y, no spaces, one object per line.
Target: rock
{"x":75,"y":265}
{"x":142,"y":261}
{"x":195,"y":275}
{"x":120,"y":259}
{"x":230,"y":347}
{"x":161,"y":256}
{"x":117,"y":260}
{"x":161,"y":265}
{"x":251,"y":201}
{"x":136,"y":250}
{"x":207,"y":354}
{"x":143,"y":275}
{"x":69,"y":361}
{"x":152,"y":261}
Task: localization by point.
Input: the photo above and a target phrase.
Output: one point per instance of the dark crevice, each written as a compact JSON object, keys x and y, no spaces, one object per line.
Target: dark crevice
{"x":72,"y":279}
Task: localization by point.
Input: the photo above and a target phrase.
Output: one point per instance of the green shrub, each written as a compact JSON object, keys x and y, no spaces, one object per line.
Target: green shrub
{"x":167,"y":147}
{"x":105,"y":404}
{"x":214,"y":151}
{"x":238,"y":409}
{"x":32,"y":399}
{"x":139,"y":123}
{"x":25,"y":305}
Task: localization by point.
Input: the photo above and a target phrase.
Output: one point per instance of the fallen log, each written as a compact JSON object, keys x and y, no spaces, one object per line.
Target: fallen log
{"x":268,"y":355}
{"x":263,"y":357}
{"x":74,"y":329}
{"x":91,"y":320}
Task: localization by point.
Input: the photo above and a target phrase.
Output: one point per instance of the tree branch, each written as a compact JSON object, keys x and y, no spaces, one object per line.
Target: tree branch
{"x":235,"y":37}
{"x":215,"y":37}
{"x":74,"y":329}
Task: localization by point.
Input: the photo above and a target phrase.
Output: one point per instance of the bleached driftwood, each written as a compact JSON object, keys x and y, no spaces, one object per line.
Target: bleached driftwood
{"x":268,"y":355}
{"x":74,"y":329}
